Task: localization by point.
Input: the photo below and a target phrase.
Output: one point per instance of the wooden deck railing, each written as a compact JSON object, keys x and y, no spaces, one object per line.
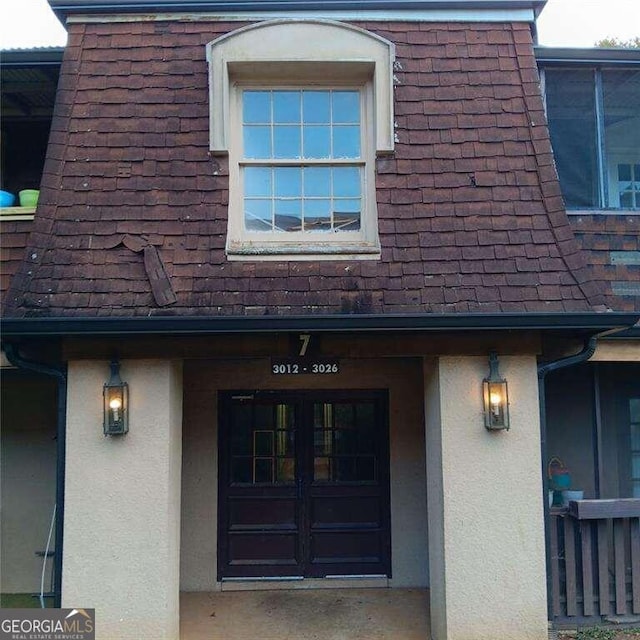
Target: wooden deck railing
{"x":595,"y":560}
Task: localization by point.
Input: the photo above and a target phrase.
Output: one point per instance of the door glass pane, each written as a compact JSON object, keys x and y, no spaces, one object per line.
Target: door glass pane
{"x":263,"y":470}
{"x":264,"y":434}
{"x":345,"y":442}
{"x":263,"y":443}
{"x":241,"y":469}
{"x":241,"y":430}
{"x":286,"y":470}
{"x":366,"y":468}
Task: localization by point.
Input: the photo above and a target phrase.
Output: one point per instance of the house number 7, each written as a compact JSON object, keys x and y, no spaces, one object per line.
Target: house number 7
{"x":304,"y":339}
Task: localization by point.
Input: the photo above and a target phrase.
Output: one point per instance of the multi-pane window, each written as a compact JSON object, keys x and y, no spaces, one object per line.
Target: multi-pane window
{"x":344,"y":442}
{"x":594,"y":122}
{"x":628,"y":185}
{"x":302,"y":160}
{"x":263,"y":444}
{"x":634,"y":423}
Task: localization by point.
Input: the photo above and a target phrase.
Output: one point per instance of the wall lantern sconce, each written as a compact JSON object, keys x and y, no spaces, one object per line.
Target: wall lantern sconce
{"x":496,"y":397}
{"x":116,"y":403}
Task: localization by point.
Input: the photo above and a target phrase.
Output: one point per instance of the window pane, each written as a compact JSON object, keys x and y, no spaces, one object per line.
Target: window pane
{"x":346,"y":215}
{"x":317,"y":182}
{"x":256,"y":106}
{"x":621,"y":99}
{"x":286,"y":141}
{"x":287,"y":182}
{"x":346,"y":142}
{"x":634,"y":409}
{"x":346,"y":182}
{"x":257,"y":142}
{"x":317,"y":215}
{"x":257,"y":182}
{"x":346,"y":106}
{"x":286,"y":106}
{"x":635,"y":437}
{"x":572,"y":126}
{"x":257,"y":215}
{"x":288,"y":215}
{"x":316,"y":107}
{"x":317,"y":141}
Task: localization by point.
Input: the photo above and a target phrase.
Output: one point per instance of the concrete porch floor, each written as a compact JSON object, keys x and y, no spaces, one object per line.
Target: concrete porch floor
{"x":306,"y":614}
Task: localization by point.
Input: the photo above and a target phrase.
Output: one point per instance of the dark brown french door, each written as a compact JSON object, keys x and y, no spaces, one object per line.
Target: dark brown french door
{"x":304,"y":484}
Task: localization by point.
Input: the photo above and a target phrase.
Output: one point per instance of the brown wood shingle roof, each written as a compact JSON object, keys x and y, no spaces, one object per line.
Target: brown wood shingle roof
{"x":470,"y":213}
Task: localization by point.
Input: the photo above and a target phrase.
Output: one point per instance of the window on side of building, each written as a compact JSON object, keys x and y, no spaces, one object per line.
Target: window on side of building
{"x":594,"y":123}
{"x":634,"y":424}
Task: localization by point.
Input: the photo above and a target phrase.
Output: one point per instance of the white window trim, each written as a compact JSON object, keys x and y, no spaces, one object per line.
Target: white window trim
{"x":289,"y":42}
{"x":613,"y":160}
{"x":302,"y":245}
{"x":301,"y":53}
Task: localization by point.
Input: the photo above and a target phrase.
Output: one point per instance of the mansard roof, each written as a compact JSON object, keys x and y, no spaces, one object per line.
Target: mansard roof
{"x":133,"y":210}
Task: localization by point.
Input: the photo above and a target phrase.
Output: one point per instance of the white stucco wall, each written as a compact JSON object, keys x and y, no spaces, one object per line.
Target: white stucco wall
{"x":122,"y":502}
{"x":487,"y":550}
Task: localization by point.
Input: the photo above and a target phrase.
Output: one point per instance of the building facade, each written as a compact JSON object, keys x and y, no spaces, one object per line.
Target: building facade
{"x":302,"y":232}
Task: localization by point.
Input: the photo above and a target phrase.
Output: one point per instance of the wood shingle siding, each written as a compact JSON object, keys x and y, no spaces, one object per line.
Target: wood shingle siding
{"x":470,"y":213}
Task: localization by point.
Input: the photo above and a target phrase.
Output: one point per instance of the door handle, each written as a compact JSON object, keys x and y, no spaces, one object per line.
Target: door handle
{"x":299,"y":487}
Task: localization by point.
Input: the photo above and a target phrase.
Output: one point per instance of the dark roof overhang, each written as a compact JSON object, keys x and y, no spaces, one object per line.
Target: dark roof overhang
{"x":590,"y":56}
{"x":65,"y":8}
{"x":29,"y":82}
{"x":36,"y":57}
{"x":580,"y":323}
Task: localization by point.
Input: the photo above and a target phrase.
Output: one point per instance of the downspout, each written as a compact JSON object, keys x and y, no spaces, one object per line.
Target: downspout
{"x":588,"y":349}
{"x":60,"y":374}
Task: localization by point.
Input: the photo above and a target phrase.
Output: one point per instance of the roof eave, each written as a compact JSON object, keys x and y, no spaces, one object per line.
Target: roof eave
{"x":592,"y":55}
{"x":65,"y":8}
{"x":180,"y":325}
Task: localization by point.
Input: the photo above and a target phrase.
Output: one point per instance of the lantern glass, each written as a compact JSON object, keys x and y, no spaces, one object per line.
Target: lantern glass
{"x":496,"y":408}
{"x":116,"y":403}
{"x":496,"y":397}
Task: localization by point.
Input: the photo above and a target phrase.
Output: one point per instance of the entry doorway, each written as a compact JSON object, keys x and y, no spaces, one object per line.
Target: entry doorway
{"x":303,"y":484}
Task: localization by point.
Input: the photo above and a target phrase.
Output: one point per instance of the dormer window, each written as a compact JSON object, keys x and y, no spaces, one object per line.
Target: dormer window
{"x":302,"y":132}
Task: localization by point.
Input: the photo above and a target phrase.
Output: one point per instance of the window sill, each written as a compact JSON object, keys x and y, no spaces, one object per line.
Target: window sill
{"x":8,"y":214}
{"x":603,"y":212}
{"x":299,"y":251}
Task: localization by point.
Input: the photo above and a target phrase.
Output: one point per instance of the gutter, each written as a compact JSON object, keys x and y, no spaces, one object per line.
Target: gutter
{"x":64,"y":8}
{"x":203,"y":325}
{"x":60,"y":374}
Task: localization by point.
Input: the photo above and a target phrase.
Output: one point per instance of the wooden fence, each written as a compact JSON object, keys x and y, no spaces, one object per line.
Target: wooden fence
{"x":595,"y":560}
